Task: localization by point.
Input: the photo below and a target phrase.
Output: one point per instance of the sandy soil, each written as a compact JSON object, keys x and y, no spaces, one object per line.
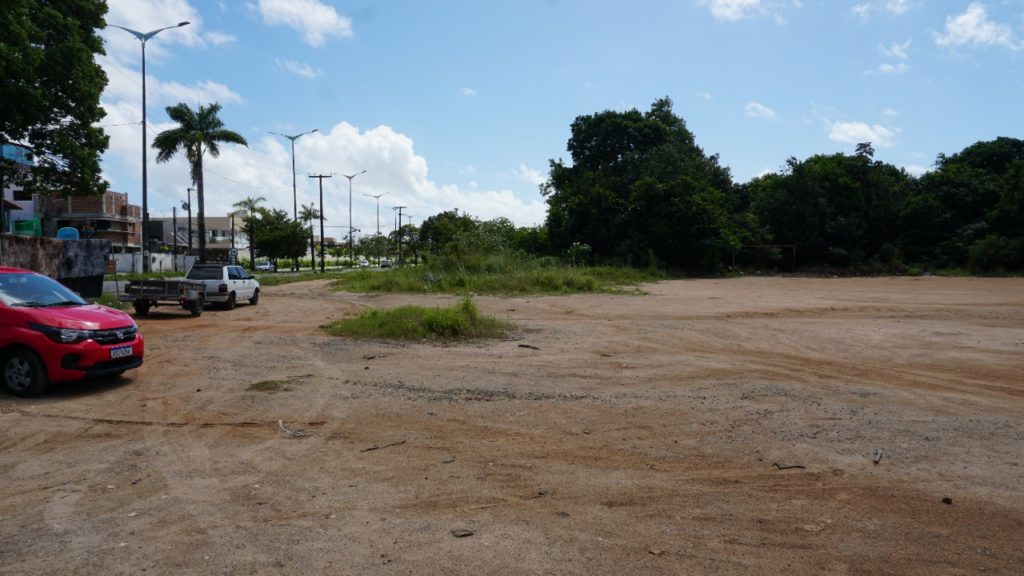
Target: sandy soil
{"x":713,"y":426}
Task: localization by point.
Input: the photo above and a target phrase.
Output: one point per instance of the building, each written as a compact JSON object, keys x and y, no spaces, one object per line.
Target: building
{"x":108,"y":216}
{"x":17,"y":207}
{"x":222,"y":232}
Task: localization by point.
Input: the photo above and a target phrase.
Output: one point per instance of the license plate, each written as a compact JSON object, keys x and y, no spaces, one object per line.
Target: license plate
{"x":120,"y":351}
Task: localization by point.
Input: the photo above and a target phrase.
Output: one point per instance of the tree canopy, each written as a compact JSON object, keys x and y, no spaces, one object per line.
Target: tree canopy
{"x":50,"y":92}
{"x":640,"y":191}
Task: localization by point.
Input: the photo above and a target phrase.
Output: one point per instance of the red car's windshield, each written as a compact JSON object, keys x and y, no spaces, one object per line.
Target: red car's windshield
{"x":35,"y":290}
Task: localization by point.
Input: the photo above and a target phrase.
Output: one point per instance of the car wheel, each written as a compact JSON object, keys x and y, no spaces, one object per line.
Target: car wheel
{"x":141,"y":307}
{"x":255,"y":297}
{"x":196,"y":307}
{"x":230,"y":304}
{"x":23,"y":372}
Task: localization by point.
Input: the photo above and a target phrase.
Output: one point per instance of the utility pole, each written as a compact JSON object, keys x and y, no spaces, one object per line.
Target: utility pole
{"x":174,"y":227}
{"x":188,"y":206}
{"x":321,"y":177}
{"x":398,"y":231}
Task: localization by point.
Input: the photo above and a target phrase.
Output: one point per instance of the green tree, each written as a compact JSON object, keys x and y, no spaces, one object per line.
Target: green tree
{"x":634,"y":180}
{"x":449,"y":234}
{"x":249,"y":205}
{"x":309,"y":214}
{"x":198,"y":132}
{"x":278,"y":236}
{"x":838,"y":210}
{"x":50,"y":93}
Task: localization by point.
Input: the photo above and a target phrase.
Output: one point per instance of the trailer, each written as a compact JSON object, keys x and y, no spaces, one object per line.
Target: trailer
{"x":146,"y":294}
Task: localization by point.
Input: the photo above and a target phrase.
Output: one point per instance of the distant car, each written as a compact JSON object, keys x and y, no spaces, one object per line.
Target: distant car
{"x":226,"y":284}
{"x":48,"y":334}
{"x":266,"y":266}
{"x":385,"y":263}
{"x":364,"y":263}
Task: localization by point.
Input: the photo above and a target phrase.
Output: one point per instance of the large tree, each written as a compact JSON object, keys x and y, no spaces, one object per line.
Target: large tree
{"x":277,"y":235}
{"x":50,"y":93}
{"x":639,"y":190}
{"x":198,"y":132}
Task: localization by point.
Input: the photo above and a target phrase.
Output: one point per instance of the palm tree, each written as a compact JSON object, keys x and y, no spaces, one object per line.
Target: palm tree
{"x":250,"y":204}
{"x":197,"y":132}
{"x":308,"y":215}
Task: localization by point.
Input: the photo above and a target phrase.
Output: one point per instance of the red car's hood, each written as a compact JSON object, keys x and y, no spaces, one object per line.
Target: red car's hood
{"x":89,"y":317}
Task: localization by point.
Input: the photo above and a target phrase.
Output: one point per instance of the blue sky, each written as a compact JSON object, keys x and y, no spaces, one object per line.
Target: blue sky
{"x":461,"y":103}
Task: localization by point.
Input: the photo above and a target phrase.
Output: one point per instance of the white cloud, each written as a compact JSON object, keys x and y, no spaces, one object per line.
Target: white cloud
{"x":732,"y":10}
{"x":898,"y":68}
{"x":899,"y":7}
{"x":219,"y":38}
{"x":973,"y":28}
{"x":264,"y":169}
{"x":895,"y":50}
{"x":857,"y":132}
{"x":916,"y":170}
{"x":315,"y":20}
{"x":862,"y":11}
{"x":527,"y":174}
{"x":707,"y":96}
{"x":758,"y":110}
{"x":892,"y":7}
{"x":468,"y":92}
{"x":890,"y":113}
{"x":297,"y":68}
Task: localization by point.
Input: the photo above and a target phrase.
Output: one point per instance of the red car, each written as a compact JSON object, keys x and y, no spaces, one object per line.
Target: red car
{"x":49,"y":333}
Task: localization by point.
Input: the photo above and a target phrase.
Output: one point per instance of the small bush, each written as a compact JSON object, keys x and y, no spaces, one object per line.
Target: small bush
{"x":457,"y":322}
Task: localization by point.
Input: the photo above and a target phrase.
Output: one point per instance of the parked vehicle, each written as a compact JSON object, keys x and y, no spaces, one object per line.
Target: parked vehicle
{"x":146,"y":294}
{"x":265,"y":266}
{"x":385,"y":263}
{"x":364,"y":263}
{"x":225,"y":284}
{"x":49,"y":333}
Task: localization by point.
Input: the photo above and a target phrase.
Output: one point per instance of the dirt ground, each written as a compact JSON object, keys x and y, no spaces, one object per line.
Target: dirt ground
{"x":709,"y":427}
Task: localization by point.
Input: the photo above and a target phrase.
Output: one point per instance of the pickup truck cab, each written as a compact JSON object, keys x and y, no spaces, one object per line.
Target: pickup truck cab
{"x":225,"y":284}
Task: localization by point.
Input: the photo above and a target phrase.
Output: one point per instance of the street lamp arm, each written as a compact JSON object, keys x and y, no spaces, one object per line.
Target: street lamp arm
{"x":143,"y":36}
{"x":295,"y":137}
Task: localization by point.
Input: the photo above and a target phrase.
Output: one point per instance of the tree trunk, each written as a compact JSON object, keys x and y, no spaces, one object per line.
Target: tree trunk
{"x":202,"y":210}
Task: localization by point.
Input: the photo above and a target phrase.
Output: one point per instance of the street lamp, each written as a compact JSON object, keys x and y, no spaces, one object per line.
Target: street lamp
{"x":351,"y":255}
{"x":377,"y":198}
{"x":295,"y":201}
{"x":142,"y":38}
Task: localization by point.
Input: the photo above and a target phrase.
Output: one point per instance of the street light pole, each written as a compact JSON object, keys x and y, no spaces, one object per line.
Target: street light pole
{"x":142,"y":37}
{"x":295,"y":200}
{"x":295,"y":194}
{"x":377,"y":197}
{"x":351,"y":255}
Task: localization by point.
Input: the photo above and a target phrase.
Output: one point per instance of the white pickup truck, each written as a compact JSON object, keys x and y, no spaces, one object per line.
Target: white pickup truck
{"x":225,"y":283}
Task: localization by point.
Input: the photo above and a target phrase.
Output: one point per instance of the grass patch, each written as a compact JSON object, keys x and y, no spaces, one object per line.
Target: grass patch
{"x":461,"y":321}
{"x":515,"y":279}
{"x":109,"y":300}
{"x":269,"y":386}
